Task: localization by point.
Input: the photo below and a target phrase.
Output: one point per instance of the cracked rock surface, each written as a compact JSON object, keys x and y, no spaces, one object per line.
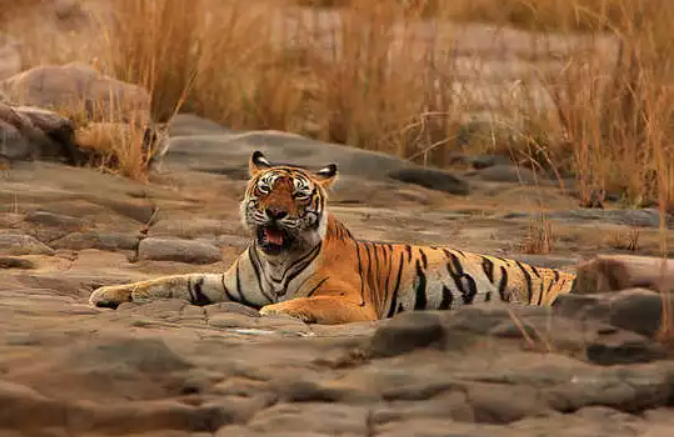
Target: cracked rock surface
{"x":589,"y":366}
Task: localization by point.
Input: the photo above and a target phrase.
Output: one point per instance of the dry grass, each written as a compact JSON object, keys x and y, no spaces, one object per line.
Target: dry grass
{"x":380,"y":88}
{"x":540,"y":238}
{"x":625,"y":239}
{"x":581,"y":15}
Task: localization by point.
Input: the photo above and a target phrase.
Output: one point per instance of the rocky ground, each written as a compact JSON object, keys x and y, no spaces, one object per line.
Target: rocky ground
{"x":589,"y":367}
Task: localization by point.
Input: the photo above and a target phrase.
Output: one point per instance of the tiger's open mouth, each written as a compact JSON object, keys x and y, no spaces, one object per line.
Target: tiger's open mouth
{"x":273,"y":240}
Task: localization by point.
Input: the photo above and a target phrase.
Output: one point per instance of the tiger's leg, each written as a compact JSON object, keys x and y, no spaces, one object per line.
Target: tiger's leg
{"x":326,"y":310}
{"x":198,"y":289}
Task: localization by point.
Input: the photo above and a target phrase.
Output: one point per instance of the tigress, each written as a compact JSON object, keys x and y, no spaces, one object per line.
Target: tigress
{"x":305,"y":263}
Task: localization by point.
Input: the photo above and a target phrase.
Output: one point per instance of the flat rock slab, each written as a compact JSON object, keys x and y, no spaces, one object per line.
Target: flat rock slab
{"x":231,"y":151}
{"x":168,"y":368}
{"x":588,"y":366}
{"x":167,"y":249}
{"x":17,"y":244}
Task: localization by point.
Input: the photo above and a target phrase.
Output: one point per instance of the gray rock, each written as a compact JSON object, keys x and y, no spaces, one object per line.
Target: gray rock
{"x":78,"y":87}
{"x":199,"y":146}
{"x":407,"y":332}
{"x":624,"y":349}
{"x":637,"y":310}
{"x":432,"y":179}
{"x":187,"y":251}
{"x":18,"y":244}
{"x":29,"y":132}
{"x":640,"y":312}
{"x":317,"y":417}
{"x":46,"y":218}
{"x":192,"y":228}
{"x":111,"y":241}
{"x":130,"y":355}
{"x":9,"y":262}
{"x":479,"y":162}
{"x":647,"y":217}
{"x":303,"y":390}
{"x":508,"y":173}
{"x":231,"y":320}
{"x":230,"y":308}
{"x":13,"y":145}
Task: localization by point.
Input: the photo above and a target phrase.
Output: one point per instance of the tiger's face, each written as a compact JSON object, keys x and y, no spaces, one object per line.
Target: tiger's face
{"x":285,"y":206}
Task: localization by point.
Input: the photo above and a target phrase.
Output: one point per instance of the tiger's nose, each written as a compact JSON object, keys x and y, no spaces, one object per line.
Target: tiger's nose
{"x":276,"y":213}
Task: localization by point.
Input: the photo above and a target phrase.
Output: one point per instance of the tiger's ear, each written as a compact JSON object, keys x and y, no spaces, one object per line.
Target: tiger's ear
{"x":257,"y":163}
{"x":327,"y":176}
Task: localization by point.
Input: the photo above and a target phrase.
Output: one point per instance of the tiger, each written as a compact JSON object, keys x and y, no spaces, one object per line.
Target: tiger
{"x":304,"y":263}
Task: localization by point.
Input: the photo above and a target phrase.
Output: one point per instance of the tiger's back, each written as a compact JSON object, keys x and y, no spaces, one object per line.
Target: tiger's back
{"x":400,"y":277}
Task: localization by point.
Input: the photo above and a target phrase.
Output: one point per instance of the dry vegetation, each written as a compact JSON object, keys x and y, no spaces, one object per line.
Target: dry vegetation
{"x":362,"y":80}
{"x":540,"y":237}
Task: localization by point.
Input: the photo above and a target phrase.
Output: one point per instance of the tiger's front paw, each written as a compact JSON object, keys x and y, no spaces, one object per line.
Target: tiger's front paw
{"x":111,"y":296}
{"x":283,"y":308}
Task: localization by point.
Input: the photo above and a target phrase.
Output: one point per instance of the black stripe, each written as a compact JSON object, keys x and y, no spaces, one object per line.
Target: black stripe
{"x":200,"y":298}
{"x":408,"y":249}
{"x":455,"y":270}
{"x":527,"y":277}
{"x":503,"y":285}
{"x":420,"y":291}
{"x":540,"y":293}
{"x":317,"y":286}
{"x":400,"y":308}
{"x":394,"y":294}
{"x":424,"y":259}
{"x":375,"y":268}
{"x":256,"y":268}
{"x":455,"y":273}
{"x":488,"y":268}
{"x":189,"y":288}
{"x":360,"y":274}
{"x":573,"y":284}
{"x":242,"y":298}
{"x":229,"y":295}
{"x":535,"y":270}
{"x":300,"y":264}
{"x":447,"y":299}
{"x":387,"y":269}
{"x":300,"y":268}
{"x":556,"y":273}
{"x":469,"y":297}
{"x":390,"y":247}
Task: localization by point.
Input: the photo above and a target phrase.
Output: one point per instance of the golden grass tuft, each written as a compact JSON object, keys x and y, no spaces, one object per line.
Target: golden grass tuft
{"x":540,"y":238}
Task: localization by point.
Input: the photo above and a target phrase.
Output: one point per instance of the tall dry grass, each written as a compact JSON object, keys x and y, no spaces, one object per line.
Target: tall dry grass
{"x":364,"y":77}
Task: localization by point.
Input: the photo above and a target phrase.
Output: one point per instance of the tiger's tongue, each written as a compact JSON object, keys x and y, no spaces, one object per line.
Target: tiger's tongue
{"x":273,"y":236}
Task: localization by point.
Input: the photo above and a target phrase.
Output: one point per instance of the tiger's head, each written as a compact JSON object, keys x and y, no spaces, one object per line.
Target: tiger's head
{"x":284,"y":206}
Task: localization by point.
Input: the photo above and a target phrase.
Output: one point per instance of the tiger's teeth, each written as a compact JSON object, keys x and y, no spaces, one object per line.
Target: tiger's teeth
{"x":273,"y":236}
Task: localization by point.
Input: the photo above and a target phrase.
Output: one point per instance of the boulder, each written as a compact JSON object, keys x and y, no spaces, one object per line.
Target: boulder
{"x":78,"y":88}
